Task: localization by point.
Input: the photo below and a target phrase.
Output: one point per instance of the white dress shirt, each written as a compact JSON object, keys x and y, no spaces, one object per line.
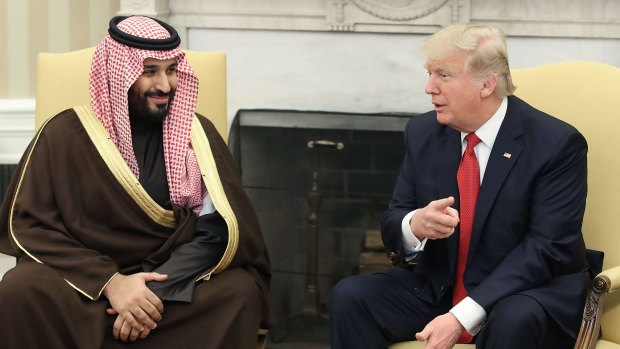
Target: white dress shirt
{"x":469,"y":313}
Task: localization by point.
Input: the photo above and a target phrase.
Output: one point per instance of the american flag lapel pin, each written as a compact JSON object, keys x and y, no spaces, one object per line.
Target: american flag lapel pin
{"x":507,"y":155}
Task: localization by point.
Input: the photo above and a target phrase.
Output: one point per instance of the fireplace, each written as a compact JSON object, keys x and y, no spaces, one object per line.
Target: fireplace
{"x":355,"y":164}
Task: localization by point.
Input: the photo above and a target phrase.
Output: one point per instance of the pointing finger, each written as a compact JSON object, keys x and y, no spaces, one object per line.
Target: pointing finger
{"x":444,"y":203}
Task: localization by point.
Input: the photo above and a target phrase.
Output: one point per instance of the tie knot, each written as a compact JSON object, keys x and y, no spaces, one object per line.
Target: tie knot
{"x":472,"y":140}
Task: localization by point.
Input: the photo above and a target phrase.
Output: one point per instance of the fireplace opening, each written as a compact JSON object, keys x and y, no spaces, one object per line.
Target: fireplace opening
{"x":316,"y":178}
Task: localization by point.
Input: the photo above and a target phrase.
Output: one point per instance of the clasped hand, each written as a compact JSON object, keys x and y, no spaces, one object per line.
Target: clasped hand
{"x":441,"y":333}
{"x":137,"y":307}
{"x":435,"y":221}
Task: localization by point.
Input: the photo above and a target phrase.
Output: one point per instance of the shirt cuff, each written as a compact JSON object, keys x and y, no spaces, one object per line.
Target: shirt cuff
{"x":411,"y":244}
{"x":470,"y":314}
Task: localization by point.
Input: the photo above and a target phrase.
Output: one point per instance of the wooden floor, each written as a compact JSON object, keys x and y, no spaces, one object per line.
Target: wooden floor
{"x":312,"y":332}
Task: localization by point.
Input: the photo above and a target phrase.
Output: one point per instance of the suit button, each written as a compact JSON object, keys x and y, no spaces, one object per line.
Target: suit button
{"x":442,"y":288}
{"x":416,"y":290}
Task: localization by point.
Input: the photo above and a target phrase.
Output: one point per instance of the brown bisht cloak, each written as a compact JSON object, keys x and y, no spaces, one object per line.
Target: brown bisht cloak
{"x":75,"y":206}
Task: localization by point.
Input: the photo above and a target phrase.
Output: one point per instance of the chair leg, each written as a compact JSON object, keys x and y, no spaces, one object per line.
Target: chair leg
{"x":592,"y":313}
{"x":262,"y":340}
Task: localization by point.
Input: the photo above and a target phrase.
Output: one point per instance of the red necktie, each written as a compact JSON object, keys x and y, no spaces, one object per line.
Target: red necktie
{"x":468,"y":178}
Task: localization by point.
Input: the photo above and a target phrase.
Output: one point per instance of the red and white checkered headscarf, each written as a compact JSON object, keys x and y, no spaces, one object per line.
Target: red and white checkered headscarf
{"x":115,"y":68}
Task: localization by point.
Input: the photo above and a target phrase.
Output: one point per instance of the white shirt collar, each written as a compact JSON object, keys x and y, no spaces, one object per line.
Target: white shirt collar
{"x":488,"y":131}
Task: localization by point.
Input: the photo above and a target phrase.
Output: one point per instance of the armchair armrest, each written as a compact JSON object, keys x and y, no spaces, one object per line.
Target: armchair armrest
{"x":604,"y":283}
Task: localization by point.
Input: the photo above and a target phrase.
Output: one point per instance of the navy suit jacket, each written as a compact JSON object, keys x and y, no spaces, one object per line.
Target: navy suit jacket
{"x":526,"y":236}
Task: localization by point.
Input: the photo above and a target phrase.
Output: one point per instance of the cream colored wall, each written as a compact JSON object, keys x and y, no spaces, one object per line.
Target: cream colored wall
{"x":31,"y":26}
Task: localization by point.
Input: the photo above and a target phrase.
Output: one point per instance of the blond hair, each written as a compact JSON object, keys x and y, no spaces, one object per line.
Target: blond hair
{"x":486,"y":52}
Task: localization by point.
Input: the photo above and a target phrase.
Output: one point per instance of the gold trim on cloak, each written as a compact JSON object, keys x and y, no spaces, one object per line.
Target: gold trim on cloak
{"x":119,"y":168}
{"x":212,"y":180}
{"x":14,"y":201}
{"x":117,"y":165}
{"x":208,"y":170}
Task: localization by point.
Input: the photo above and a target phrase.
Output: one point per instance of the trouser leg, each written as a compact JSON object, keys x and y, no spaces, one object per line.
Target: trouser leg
{"x":518,"y":322}
{"x":375,"y":310}
{"x":235,"y":308}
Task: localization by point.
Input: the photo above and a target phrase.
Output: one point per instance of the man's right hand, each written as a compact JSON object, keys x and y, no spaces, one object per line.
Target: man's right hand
{"x":138,"y":308}
{"x":441,"y":333}
{"x":435,"y":221}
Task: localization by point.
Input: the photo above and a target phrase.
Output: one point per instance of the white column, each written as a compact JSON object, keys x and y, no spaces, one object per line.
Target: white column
{"x":17,"y":45}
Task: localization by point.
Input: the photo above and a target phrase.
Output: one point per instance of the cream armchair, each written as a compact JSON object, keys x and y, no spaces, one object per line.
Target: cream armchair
{"x":62,"y":82}
{"x":585,"y":94}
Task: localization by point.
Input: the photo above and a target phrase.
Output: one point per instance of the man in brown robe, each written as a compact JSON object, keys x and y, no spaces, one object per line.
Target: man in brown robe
{"x":129,"y":206}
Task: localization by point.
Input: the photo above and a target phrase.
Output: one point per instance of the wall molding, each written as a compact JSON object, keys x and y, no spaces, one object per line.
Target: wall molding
{"x":16,"y":128}
{"x":553,"y":18}
{"x":405,"y":12}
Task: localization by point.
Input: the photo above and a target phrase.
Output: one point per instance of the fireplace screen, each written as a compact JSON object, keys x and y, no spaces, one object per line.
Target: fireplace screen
{"x":319,"y":182}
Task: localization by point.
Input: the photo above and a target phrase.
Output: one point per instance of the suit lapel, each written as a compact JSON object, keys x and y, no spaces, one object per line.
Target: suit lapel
{"x":504,"y":155}
{"x":446,"y":166}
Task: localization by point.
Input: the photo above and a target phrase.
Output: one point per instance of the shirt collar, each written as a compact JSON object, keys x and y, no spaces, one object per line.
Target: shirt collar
{"x":489,"y":130}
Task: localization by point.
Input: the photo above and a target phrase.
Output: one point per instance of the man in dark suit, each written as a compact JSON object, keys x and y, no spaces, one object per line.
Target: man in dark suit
{"x":489,"y":205}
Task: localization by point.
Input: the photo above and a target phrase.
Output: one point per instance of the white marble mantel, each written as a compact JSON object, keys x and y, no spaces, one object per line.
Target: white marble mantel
{"x":551,"y":18}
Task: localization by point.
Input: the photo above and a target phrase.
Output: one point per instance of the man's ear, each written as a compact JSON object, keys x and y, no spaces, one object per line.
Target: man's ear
{"x":488,"y":86}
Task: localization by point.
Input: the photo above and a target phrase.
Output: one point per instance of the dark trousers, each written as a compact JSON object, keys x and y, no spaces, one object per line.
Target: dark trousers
{"x":372,"y":311}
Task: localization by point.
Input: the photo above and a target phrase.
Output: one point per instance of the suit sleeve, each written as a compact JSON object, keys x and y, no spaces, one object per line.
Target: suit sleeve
{"x":403,"y":200}
{"x":552,"y":244}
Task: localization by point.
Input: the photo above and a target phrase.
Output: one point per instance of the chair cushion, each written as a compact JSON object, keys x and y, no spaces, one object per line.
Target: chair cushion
{"x":602,"y":344}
